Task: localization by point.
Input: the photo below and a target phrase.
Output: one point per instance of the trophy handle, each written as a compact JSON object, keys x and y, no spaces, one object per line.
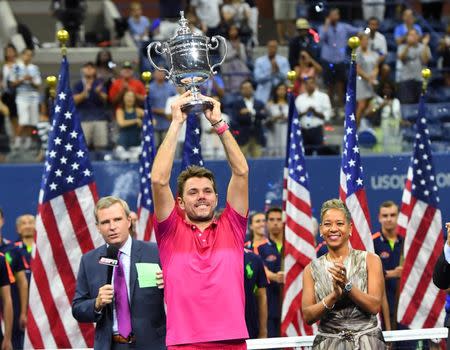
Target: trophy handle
{"x":158,"y":50}
{"x":215,"y":45}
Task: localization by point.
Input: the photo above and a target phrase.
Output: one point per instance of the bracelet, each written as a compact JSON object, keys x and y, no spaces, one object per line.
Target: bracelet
{"x":220,"y":130}
{"x":218,"y":122}
{"x":326,"y":306}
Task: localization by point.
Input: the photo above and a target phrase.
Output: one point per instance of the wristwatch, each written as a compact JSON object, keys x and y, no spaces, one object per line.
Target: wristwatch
{"x":348,"y":287}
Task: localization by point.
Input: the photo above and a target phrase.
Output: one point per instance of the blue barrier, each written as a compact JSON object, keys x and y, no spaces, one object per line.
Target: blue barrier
{"x":384,"y":179}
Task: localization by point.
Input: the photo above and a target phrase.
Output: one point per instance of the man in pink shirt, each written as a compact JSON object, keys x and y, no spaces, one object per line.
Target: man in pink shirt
{"x":201,"y":255}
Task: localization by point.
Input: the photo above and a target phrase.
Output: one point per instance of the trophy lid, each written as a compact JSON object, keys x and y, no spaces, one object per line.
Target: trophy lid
{"x":183,"y":29}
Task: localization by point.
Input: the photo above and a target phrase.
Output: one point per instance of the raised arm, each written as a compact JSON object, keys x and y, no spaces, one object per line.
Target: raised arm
{"x":237,"y":193}
{"x":162,"y":165}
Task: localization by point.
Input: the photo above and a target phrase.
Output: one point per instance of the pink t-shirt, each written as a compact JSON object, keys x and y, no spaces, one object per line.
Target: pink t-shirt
{"x":203,"y":278}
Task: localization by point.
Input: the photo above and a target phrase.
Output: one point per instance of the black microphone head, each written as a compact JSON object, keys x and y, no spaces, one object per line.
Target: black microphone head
{"x":112,"y":252}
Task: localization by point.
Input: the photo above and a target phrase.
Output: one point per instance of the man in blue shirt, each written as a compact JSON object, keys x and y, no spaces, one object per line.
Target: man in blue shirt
{"x":401,"y":30}
{"x":388,"y":246}
{"x":90,"y":97}
{"x":160,"y":91}
{"x":333,"y":37}
{"x":271,"y":253}
{"x":255,"y":283}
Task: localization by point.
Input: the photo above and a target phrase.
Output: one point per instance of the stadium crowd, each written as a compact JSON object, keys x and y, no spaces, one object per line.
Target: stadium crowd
{"x":253,"y":90}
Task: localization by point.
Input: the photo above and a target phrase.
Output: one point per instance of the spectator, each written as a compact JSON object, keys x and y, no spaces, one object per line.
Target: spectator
{"x":306,"y":68}
{"x":4,"y":137}
{"x":314,"y":108}
{"x":26,"y":79}
{"x":126,"y":82}
{"x":304,"y":41}
{"x":9,"y":93}
{"x":377,"y":41}
{"x":238,"y":13}
{"x":234,"y":69}
{"x":367,"y":70}
{"x":214,"y":86}
{"x":334,"y":36}
{"x":71,"y":13}
{"x":90,"y":97}
{"x":208,"y":12}
{"x":277,"y":121}
{"x":255,"y":284}
{"x":384,"y":114}
{"x":211,"y":145}
{"x":388,"y":246}
{"x":411,"y":57}
{"x":249,"y":117}
{"x":160,"y":90}
{"x":444,"y":50}
{"x":270,"y":70}
{"x":105,"y":65}
{"x":257,"y":232}
{"x":401,"y":30}
{"x":6,"y":280}
{"x":373,"y":8}
{"x":284,"y":13}
{"x":129,"y":118}
{"x":138,"y":24}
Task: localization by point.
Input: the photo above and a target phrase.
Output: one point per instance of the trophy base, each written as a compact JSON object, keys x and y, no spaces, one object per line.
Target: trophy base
{"x":196,"y":106}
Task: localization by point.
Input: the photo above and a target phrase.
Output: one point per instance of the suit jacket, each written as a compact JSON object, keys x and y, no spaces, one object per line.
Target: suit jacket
{"x":441,"y":278}
{"x":248,"y":126}
{"x":147,"y":305}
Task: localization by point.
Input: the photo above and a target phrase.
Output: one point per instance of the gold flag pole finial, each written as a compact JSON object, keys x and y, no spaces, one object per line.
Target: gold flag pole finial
{"x":291,"y":76}
{"x":51,"y":81}
{"x":426,"y":75}
{"x":354,"y":43}
{"x":63,"y":37}
{"x":146,"y":77}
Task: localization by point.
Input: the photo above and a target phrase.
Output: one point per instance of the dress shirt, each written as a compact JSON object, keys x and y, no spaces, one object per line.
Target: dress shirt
{"x":317,"y":100}
{"x":334,"y":41}
{"x":266,"y":80}
{"x":125,"y":257}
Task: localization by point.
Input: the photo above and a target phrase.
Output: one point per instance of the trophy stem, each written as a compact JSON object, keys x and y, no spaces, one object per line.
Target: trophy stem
{"x":196,"y":105}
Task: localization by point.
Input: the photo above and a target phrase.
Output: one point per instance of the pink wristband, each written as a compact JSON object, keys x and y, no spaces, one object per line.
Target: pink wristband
{"x":220,"y":130}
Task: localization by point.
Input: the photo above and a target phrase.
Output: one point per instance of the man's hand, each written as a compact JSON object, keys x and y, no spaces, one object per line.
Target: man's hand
{"x":23,"y":320}
{"x":214,"y":115}
{"x":159,"y":280}
{"x":395,"y":273}
{"x":280,"y":277}
{"x":6,"y":344}
{"x":177,"y":115}
{"x":104,"y":297}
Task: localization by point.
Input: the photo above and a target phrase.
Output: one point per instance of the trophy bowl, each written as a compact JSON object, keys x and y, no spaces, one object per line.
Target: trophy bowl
{"x":187,"y":54}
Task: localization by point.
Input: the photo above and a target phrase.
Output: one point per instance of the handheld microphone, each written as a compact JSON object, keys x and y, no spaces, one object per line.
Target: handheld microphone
{"x":110,"y":260}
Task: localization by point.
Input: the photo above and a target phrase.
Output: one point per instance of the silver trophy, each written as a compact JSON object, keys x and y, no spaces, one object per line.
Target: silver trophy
{"x":188,"y":54}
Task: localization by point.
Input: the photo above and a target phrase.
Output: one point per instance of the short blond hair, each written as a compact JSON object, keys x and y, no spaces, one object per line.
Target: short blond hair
{"x":335,"y":204}
{"x":107,"y":202}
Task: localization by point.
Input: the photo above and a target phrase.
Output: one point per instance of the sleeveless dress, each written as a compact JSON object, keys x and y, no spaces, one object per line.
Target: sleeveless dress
{"x":346,"y":326}
{"x":130,"y":136}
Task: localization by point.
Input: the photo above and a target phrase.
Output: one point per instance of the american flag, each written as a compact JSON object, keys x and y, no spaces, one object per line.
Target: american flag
{"x":145,"y":199}
{"x":192,"y":151}
{"x":298,"y":241}
{"x":351,"y":188}
{"x":421,"y":303}
{"x":65,"y":230}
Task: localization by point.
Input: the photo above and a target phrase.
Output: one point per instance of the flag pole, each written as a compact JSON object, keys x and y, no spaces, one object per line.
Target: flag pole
{"x":146,"y":77}
{"x":63,"y":37}
{"x":426,"y":75}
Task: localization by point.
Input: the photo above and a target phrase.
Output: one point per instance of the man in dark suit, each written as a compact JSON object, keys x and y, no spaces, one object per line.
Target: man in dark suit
{"x":248,"y":122}
{"x":129,"y":312}
{"x":441,"y":274}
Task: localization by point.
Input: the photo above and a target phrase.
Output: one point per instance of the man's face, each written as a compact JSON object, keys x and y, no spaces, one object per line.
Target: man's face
{"x":408,"y":17}
{"x":258,"y":224}
{"x":114,"y":225}
{"x":412,"y":37}
{"x":27,"y":56}
{"x":198,"y":199}
{"x":388,"y":218}
{"x":126,"y":73}
{"x":89,"y":71}
{"x":274,"y":223}
{"x":335,"y":16}
{"x":247,"y":90}
{"x":373,"y":25}
{"x":272,"y":47}
{"x":26,"y":227}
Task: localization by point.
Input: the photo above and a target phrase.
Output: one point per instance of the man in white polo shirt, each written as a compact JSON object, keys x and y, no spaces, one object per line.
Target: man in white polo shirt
{"x":314,"y":109}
